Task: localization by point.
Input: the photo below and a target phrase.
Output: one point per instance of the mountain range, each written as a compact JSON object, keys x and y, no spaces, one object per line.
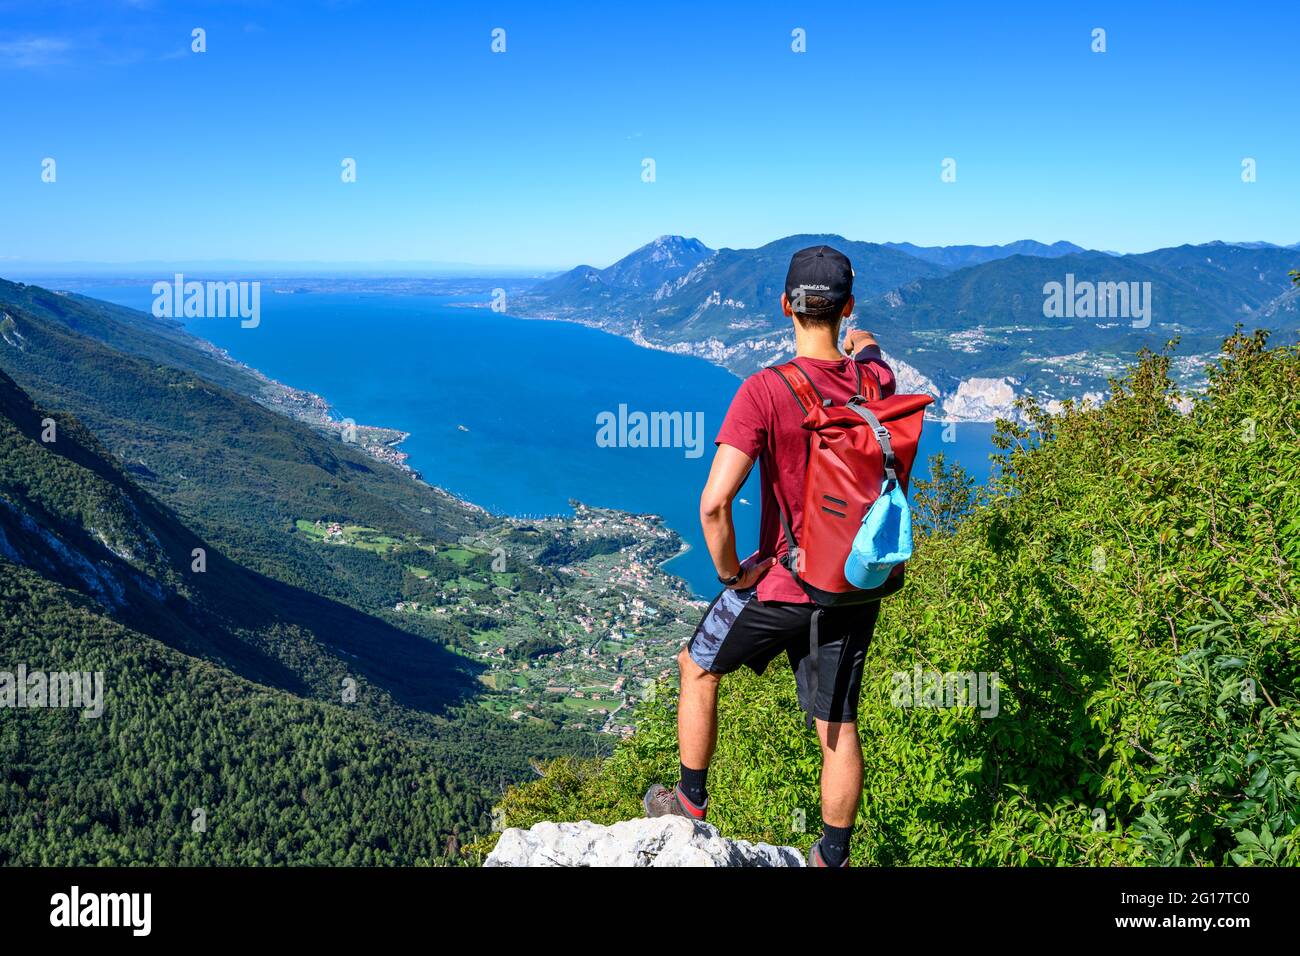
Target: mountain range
{"x":956,"y":257}
{"x":972,"y":325}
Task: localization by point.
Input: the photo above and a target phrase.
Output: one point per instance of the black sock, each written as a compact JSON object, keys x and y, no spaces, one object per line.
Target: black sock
{"x":694,"y":785}
{"x":835,"y":844}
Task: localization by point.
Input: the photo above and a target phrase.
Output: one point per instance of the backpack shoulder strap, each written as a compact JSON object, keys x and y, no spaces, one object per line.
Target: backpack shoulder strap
{"x":872,"y":381}
{"x":800,"y":385}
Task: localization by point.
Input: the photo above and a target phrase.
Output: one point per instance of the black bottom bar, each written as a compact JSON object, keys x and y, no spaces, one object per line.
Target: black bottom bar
{"x":332,"y":905}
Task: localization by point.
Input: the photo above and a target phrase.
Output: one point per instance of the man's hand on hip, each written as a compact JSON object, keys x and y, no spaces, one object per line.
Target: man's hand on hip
{"x":751,"y":572}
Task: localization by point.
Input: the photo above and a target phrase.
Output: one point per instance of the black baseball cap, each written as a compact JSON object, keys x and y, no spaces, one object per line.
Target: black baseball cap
{"x":823,"y":271}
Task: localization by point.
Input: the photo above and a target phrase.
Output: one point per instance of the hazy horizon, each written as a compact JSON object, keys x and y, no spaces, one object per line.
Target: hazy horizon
{"x":416,"y":268}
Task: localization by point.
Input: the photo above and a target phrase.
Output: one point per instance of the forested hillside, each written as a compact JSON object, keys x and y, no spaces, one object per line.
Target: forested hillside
{"x":69,"y":511}
{"x":190,"y":764}
{"x":1129,"y":576}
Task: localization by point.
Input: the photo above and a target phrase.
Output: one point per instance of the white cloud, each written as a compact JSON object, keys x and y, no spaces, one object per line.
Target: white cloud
{"x":33,"y":52}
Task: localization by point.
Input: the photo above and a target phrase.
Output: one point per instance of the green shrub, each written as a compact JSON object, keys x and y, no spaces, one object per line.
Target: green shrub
{"x":1128,"y":576}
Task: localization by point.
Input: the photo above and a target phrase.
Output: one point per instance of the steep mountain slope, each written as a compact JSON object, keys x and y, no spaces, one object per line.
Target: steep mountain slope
{"x":189,"y":764}
{"x":69,"y":512}
{"x":643,"y":270}
{"x":1128,"y":589}
{"x":163,"y":341}
{"x":656,"y":263}
{"x":206,"y":674}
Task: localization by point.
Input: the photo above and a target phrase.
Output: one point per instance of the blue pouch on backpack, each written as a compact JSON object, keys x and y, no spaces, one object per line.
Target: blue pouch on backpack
{"x":883,"y":541}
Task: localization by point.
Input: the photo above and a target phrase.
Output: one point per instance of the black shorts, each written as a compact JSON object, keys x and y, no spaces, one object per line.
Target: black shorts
{"x":739,"y":630}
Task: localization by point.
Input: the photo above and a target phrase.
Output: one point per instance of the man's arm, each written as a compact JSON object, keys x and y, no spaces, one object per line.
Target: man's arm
{"x":730,"y":468}
{"x":856,"y":339}
{"x":865,"y":350}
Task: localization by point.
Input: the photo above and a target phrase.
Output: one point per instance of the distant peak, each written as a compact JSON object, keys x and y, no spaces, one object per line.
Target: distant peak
{"x":682,"y":241}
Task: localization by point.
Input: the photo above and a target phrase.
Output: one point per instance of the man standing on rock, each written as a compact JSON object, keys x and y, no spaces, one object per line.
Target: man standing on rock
{"x":762,"y":610}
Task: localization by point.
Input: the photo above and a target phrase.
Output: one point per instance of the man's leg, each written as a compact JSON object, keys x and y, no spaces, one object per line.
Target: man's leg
{"x":841,"y":772}
{"x":840,"y":662}
{"x":697,"y":735}
{"x":841,"y":790}
{"x":733,"y":631}
{"x":697,"y":713}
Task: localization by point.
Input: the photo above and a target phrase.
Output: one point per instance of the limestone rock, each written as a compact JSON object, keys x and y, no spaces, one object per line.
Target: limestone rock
{"x":663,"y":841}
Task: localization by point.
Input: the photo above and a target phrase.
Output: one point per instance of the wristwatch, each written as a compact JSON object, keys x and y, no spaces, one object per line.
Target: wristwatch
{"x":728,"y":582}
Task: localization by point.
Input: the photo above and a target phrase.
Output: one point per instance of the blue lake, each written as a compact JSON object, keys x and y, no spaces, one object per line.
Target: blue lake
{"x":503,"y":411}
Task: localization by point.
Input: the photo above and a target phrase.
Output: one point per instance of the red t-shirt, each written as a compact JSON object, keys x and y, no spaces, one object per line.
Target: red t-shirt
{"x":764,"y":423}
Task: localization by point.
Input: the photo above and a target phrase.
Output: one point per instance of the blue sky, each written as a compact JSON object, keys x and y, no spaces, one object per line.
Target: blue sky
{"x":534,"y":157}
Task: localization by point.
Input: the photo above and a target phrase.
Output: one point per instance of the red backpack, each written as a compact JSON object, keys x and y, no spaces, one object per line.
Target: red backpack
{"x":852,"y":449}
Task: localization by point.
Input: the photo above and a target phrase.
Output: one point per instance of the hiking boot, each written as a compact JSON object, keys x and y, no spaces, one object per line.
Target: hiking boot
{"x":661,"y":802}
{"x":815,"y":857}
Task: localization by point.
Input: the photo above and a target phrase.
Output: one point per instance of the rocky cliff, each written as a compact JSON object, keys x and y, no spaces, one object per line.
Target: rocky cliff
{"x":666,"y":841}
